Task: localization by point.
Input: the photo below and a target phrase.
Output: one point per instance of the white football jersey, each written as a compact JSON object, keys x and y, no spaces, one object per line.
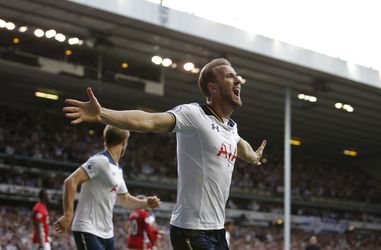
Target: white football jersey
{"x":206,"y":152}
{"x":98,"y":196}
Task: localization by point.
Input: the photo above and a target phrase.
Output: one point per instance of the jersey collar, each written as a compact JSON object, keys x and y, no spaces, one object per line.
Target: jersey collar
{"x":109,"y":157}
{"x":209,"y":111}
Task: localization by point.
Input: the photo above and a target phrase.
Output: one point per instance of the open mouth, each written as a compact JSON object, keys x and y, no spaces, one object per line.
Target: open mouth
{"x":236,"y":92}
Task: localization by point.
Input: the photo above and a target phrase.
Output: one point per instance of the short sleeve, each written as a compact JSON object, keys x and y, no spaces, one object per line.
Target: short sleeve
{"x":93,"y":165}
{"x":123,"y":187}
{"x":187,"y":118}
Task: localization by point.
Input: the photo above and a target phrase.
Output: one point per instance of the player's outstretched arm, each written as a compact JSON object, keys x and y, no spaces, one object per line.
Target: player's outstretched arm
{"x":247,"y":154}
{"x":71,"y":184}
{"x":131,"y":202}
{"x":133,"y":120}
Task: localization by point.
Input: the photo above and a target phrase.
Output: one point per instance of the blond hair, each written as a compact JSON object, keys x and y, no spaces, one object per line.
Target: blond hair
{"x":114,"y":136}
{"x":208,"y":74}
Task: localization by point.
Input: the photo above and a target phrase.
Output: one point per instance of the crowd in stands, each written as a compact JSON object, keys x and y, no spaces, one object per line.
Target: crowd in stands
{"x":271,"y":238}
{"x":48,"y":135}
{"x":46,"y":179}
{"x":16,"y":232}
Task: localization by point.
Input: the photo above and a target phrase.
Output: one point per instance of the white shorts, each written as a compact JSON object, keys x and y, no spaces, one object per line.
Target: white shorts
{"x":46,"y":246}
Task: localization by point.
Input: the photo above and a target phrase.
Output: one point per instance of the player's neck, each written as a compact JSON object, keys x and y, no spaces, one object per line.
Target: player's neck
{"x":115,"y":153}
{"x":221,"y":110}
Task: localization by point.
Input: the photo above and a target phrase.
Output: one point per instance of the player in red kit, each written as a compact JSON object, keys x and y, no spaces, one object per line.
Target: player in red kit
{"x":40,"y":218}
{"x":140,"y":234}
{"x":155,"y":245}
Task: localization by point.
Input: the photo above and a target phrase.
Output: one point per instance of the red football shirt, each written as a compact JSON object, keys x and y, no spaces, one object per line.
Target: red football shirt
{"x":41,"y":219}
{"x":139,"y":229}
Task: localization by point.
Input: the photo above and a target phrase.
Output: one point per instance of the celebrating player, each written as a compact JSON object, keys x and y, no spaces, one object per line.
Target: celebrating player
{"x":208,"y":145}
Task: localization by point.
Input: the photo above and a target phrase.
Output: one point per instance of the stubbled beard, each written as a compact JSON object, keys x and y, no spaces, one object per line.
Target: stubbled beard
{"x":236,"y":104}
{"x":229,"y":98}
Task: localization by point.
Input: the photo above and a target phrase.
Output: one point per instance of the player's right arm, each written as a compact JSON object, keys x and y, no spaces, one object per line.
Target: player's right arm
{"x":133,"y":203}
{"x":133,"y":120}
{"x":70,"y":189}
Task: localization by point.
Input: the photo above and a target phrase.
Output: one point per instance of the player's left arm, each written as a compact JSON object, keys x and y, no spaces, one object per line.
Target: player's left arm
{"x":131,"y":202}
{"x":247,"y":153}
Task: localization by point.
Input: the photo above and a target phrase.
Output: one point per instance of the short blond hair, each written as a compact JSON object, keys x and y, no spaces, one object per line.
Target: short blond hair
{"x":208,"y":74}
{"x":114,"y":136}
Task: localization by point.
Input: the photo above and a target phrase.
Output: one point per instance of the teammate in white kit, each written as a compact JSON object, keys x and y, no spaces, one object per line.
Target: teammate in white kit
{"x":102,"y":183}
{"x":207,"y":146}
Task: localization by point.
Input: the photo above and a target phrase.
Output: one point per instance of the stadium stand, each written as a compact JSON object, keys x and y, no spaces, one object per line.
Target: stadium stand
{"x":28,"y":163}
{"x":332,"y":198}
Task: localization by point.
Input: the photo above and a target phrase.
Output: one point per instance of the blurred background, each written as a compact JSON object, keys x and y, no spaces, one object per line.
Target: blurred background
{"x":146,"y":55}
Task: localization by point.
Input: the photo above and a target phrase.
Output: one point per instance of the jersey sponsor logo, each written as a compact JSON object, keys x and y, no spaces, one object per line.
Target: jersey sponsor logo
{"x":114,"y":188}
{"x":228,"y":154}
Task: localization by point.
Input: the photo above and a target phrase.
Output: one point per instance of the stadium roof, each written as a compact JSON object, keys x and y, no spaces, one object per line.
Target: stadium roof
{"x":320,"y":126}
{"x":324,"y":26}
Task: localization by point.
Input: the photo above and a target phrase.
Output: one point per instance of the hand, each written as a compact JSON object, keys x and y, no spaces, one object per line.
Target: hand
{"x":62,"y":225}
{"x":259,"y":152}
{"x":153,"y":202}
{"x":89,"y":111}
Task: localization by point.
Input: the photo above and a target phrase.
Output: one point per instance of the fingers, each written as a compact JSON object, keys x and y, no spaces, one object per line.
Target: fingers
{"x":153,"y":202}
{"x":74,"y":102}
{"x":70,"y":109}
{"x":263,"y":145}
{"x":58,"y":227}
{"x":259,"y":152}
{"x":158,"y":201}
{"x":77,"y":121}
{"x":90,"y":94}
{"x":72,"y":115}
{"x":261,"y":148}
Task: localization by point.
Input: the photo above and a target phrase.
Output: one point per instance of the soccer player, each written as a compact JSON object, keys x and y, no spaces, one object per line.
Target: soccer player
{"x":140,"y":235}
{"x":40,"y":217}
{"x":102,"y":183}
{"x":208,"y":145}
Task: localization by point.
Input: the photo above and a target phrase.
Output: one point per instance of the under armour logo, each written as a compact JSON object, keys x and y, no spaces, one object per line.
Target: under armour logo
{"x":215,"y":127}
